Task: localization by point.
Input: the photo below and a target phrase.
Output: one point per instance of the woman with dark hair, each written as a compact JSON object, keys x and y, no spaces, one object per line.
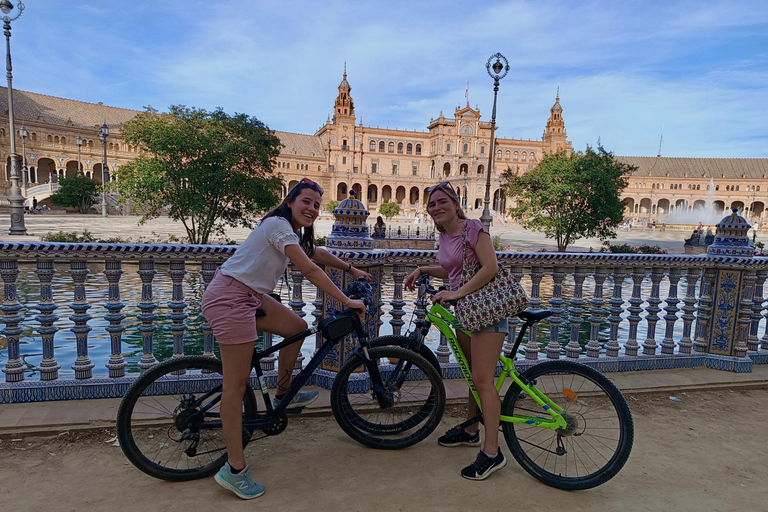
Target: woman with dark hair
{"x":242,"y":285}
{"x":483,"y":347}
{"x":379,"y":229}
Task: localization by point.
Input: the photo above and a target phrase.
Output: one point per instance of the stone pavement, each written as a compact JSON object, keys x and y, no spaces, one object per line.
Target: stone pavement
{"x":47,"y":418}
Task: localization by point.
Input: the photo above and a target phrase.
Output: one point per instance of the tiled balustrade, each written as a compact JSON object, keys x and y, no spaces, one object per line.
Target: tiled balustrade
{"x":619,"y":296}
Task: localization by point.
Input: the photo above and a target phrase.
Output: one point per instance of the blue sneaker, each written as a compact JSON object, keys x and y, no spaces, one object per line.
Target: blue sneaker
{"x":241,"y":484}
{"x":302,"y":399}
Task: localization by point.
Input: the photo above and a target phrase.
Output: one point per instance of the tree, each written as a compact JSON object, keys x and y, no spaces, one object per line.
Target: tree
{"x":389,"y":210}
{"x":331,"y":206}
{"x":77,"y":192}
{"x":205,"y":169}
{"x":571,"y":196}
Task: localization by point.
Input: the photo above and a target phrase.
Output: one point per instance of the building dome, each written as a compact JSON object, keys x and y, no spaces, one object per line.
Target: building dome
{"x":731,"y":237}
{"x":350,"y":230}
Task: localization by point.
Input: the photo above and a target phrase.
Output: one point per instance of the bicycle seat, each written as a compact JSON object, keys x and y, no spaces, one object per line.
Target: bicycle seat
{"x":260,"y":313}
{"x":531,"y":317}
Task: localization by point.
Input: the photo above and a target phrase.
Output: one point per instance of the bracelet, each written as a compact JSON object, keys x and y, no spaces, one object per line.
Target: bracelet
{"x":349,"y":268}
{"x":348,"y":299}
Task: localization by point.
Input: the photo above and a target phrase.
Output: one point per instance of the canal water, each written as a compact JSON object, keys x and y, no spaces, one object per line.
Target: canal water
{"x":130,"y":289}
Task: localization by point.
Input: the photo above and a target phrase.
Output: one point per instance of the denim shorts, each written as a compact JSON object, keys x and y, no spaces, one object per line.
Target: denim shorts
{"x":500,"y":326}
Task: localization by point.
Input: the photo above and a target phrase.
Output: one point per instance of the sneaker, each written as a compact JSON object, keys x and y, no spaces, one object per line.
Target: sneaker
{"x":302,"y":399}
{"x":457,"y":436}
{"x":484,"y":466}
{"x":240,"y":484}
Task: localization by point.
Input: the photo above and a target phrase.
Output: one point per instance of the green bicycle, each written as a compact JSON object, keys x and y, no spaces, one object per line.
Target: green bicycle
{"x":565,"y":423}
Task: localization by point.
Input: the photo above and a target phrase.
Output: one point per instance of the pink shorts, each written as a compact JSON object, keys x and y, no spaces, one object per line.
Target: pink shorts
{"x":230,"y":307}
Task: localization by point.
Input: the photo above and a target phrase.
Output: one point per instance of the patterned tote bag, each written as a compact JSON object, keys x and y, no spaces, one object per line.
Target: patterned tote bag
{"x":502,"y":297}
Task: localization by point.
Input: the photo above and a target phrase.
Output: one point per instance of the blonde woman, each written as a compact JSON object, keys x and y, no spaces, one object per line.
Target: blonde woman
{"x":483,"y":347}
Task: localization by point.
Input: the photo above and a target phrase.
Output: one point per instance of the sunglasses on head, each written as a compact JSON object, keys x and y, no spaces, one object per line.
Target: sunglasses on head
{"x":442,"y":185}
{"x":311,"y":184}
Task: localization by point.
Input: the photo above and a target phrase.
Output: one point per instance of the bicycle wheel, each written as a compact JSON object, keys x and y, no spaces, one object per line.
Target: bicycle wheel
{"x":168,"y":423}
{"x":597,"y":440}
{"x":413,"y":392}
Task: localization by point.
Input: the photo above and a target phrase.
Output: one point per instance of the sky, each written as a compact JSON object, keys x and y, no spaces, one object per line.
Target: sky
{"x":692,"y":75}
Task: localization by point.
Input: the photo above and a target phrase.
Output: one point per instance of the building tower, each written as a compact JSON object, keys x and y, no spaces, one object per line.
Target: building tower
{"x":555,"y":133}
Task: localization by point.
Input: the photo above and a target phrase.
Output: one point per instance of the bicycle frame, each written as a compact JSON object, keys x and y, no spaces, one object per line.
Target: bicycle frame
{"x":446,"y":322}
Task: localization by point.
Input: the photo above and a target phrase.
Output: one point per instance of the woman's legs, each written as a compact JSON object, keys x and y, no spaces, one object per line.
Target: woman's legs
{"x":236,"y":363}
{"x":466,"y":348}
{"x":283,"y":322}
{"x":486,"y":347}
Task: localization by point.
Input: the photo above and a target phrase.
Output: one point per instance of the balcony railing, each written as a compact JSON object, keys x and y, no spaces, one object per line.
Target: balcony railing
{"x":617,"y":312}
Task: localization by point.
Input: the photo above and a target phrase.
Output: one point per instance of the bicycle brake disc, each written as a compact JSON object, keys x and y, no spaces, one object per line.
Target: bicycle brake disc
{"x":276,"y":425}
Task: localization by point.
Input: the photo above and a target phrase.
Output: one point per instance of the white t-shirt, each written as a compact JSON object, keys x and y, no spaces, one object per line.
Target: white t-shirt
{"x":260,"y":261}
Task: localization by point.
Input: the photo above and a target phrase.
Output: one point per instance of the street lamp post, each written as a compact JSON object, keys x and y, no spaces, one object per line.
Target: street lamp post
{"x":15,"y":197}
{"x":497,"y":70}
{"x":23,"y":132}
{"x":79,"y":142}
{"x":103,"y":134}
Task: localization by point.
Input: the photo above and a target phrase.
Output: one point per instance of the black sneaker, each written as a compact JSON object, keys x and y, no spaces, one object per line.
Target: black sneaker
{"x":484,"y":466}
{"x":457,"y":436}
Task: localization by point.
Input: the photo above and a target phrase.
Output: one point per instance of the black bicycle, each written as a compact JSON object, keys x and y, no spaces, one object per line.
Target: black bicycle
{"x":384,"y":396}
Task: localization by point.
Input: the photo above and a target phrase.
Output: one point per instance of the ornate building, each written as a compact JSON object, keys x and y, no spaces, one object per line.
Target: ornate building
{"x":384,"y":165}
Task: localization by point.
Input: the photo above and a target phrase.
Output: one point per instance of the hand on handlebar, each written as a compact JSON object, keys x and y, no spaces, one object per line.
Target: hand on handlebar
{"x":357,"y":305}
{"x":444,"y":296}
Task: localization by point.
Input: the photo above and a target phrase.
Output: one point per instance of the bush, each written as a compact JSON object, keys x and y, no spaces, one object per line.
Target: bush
{"x":389,"y":210}
{"x":630,"y":249}
{"x":331,"y":206}
{"x":497,"y":245}
{"x":76,"y":192}
{"x":320,"y":241}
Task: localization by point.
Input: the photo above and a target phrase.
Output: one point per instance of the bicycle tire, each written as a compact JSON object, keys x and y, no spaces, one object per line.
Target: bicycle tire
{"x":600,"y":432}
{"x":407,"y":342}
{"x":417,"y":403}
{"x":152,"y":417}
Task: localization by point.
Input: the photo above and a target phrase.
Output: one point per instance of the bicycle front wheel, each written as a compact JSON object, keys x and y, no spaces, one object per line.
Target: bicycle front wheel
{"x":597,"y":440}
{"x":168,"y":423}
{"x":401,"y":410}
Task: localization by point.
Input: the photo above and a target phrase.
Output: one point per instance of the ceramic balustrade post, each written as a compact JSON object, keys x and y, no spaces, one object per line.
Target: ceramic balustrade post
{"x":297,"y":305}
{"x":556,"y":306}
{"x":178,"y":316}
{"x":147,"y":316}
{"x":113,"y":270}
{"x":616,"y":301}
{"x":668,"y":344}
{"x":398,"y":275}
{"x":596,"y":311}
{"x":744,"y":316}
{"x":517,"y":273}
{"x":83,"y":366}
{"x":753,"y":343}
{"x":207,"y":271}
{"x":318,"y":314}
{"x":689,"y":306}
{"x":632,"y":346}
{"x":12,"y":317}
{"x":764,"y":339}
{"x":576,"y":310}
{"x":49,"y":368}
{"x":704,"y":310}
{"x":532,"y":347}
{"x":652,"y":313}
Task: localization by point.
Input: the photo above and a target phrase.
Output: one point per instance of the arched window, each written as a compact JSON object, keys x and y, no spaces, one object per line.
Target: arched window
{"x":409,"y":148}
{"x":525,"y":156}
{"x":63,"y":140}
{"x":466,"y":148}
{"x":418,"y":149}
{"x":482,"y":150}
{"x":737,"y":188}
{"x":515,"y":156}
{"x":506,"y":155}
{"x":56,"y":139}
{"x":391,"y":147}
{"x":373,"y":145}
{"x":498,"y":155}
{"x":399,"y":147}
{"x":381,"y":146}
{"x":50,"y":138}
{"x":532,"y":157}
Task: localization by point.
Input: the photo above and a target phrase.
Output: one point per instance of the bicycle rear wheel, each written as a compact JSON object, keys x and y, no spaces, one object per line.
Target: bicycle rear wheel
{"x":412,"y":390}
{"x":597,"y":440}
{"x":168,"y":423}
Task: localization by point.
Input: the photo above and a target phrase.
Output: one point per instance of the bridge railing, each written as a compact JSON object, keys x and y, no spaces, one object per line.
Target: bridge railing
{"x":616,"y":312}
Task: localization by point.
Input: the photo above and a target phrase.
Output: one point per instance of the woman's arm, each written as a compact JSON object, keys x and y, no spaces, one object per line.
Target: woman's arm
{"x":438,"y":271}
{"x":317,"y":277}
{"x":490,"y":267}
{"x":323,"y":257}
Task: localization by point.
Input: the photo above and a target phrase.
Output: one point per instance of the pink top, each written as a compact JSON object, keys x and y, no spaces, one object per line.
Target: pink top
{"x":450,"y":254}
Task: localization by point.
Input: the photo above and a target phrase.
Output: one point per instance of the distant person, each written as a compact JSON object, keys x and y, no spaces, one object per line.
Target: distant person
{"x":700,"y":227}
{"x":379,"y":229}
{"x":26,"y":205}
{"x":34,"y":204}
